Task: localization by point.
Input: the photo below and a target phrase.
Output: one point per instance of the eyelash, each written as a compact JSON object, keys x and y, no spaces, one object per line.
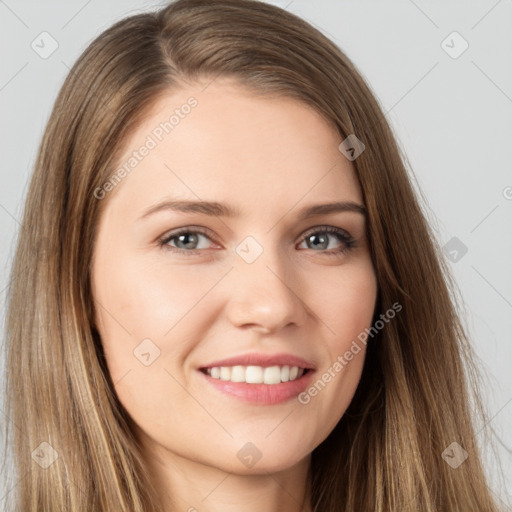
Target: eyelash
{"x":343,"y":236}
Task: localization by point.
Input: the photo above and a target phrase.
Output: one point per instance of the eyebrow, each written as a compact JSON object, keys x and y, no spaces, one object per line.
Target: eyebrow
{"x":216,"y":209}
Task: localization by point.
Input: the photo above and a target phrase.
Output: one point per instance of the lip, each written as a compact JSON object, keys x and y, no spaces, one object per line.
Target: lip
{"x":261,"y":394}
{"x":264,"y":360}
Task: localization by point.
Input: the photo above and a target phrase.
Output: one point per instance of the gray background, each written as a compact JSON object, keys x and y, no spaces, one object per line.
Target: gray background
{"x":451,"y":114}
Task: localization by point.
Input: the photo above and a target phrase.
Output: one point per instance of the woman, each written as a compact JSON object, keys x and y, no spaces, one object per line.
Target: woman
{"x":303,"y":354}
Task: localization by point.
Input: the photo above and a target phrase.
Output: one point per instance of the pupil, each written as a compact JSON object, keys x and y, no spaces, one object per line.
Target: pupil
{"x":322,"y":243}
{"x":185,"y":236}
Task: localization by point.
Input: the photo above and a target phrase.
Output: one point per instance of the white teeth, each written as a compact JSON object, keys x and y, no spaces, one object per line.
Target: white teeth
{"x":272,"y":375}
{"x":256,"y":374}
{"x":225,"y":373}
{"x":238,"y":374}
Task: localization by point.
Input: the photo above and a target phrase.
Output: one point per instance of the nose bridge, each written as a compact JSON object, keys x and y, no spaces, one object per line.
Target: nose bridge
{"x":264,"y":292}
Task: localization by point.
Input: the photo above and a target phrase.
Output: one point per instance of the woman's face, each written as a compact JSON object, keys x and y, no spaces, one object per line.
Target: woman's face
{"x":179,"y":291}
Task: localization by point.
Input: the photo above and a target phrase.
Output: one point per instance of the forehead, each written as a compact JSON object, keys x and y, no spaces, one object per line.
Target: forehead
{"x":223,"y":142}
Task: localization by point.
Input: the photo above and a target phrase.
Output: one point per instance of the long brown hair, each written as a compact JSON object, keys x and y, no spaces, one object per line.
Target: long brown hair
{"x":415,"y":395}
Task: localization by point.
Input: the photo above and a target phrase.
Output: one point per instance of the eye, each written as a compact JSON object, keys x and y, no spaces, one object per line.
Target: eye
{"x":313,"y":239}
{"x":186,"y":240}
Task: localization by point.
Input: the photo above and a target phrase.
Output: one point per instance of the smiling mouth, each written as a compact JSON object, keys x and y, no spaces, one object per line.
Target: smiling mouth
{"x":276,"y":374}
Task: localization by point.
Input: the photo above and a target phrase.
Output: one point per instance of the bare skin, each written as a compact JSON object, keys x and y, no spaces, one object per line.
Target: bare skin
{"x":303,"y":295}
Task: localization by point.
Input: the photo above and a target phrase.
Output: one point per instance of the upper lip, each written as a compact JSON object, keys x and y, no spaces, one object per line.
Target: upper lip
{"x":254,"y":359}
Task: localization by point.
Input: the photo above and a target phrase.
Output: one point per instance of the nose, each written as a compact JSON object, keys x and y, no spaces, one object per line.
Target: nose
{"x":265,"y":294}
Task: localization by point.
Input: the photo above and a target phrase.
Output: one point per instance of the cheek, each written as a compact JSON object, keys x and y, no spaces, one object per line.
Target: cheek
{"x":137,"y":300}
{"x":346,"y":309}
{"x":142,"y":288}
{"x":346,"y":304}
{"x":142,"y":313}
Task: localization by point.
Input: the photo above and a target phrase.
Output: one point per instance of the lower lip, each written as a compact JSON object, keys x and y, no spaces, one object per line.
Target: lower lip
{"x":262,"y":394}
